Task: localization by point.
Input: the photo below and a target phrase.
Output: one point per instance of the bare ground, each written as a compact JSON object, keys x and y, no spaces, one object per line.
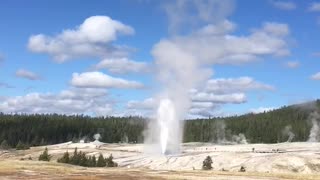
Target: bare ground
{"x":17,"y":169}
{"x":269,"y":161}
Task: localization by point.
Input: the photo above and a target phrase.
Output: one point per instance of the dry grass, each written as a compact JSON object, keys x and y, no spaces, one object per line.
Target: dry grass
{"x":15,"y":169}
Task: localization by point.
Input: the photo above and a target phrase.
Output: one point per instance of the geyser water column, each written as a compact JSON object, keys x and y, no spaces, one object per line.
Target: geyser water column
{"x":169,"y":127}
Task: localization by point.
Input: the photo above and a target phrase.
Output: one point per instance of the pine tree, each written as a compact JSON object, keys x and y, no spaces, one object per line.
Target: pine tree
{"x":110,"y":162}
{"x":207,"y":163}
{"x":45,"y":156}
{"x":101,"y":161}
{"x":65,"y":158}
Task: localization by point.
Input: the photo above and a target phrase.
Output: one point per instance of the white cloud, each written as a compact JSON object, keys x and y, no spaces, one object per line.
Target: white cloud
{"x":23,"y":73}
{"x":91,"y":39}
{"x":293,"y":64}
{"x":121,"y":66}
{"x":230,"y":85}
{"x":234,"y":98}
{"x":261,"y":110}
{"x":284,"y":5}
{"x":227,"y":49}
{"x":193,"y":13}
{"x":149,"y":103}
{"x":72,"y":101}
{"x":314,"y":7}
{"x":316,"y":76}
{"x":101,"y":80}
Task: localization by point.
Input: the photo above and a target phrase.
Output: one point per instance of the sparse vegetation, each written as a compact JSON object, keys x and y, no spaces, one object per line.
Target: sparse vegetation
{"x":207,"y":163}
{"x":45,"y":156}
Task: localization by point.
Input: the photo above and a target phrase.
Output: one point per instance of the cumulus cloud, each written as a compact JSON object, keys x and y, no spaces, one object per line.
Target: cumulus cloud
{"x":292,"y":64}
{"x":71,"y":101}
{"x":315,"y":76}
{"x":270,"y":39}
{"x":314,"y":7}
{"x":261,"y":110}
{"x":92,"y":38}
{"x":284,"y":5}
{"x":121,"y":66}
{"x":230,"y":85}
{"x":234,"y":98}
{"x":148,"y":104}
{"x":26,"y":74}
{"x":101,"y":80}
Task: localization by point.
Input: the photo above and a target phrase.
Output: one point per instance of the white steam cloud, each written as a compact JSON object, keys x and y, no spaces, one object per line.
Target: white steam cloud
{"x":287,"y":131}
{"x":184,"y":62}
{"x":314,"y":135}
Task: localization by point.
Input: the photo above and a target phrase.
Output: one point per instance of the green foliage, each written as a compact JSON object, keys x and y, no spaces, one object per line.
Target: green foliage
{"x":101,"y":161}
{"x":110,"y":162}
{"x":22,"y":146}
{"x":206,"y":164}
{"x":81,"y":159}
{"x":4,"y":145}
{"x":45,"y":156}
{"x":65,"y":158}
{"x":21,"y":130}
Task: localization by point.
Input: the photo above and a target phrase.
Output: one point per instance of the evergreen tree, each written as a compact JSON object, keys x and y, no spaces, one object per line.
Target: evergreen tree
{"x":65,"y":158}
{"x":101,"y":161}
{"x":110,"y":162}
{"x":206,"y":165}
{"x":45,"y":156}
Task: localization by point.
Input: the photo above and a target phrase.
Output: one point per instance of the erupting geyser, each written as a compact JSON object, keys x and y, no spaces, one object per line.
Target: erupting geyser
{"x":169,"y":127}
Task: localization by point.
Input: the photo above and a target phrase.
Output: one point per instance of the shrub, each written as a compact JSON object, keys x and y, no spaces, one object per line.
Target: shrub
{"x":207,"y":163}
{"x":65,"y":158}
{"x":110,"y":162}
{"x":45,"y":155}
{"x":101,"y":161}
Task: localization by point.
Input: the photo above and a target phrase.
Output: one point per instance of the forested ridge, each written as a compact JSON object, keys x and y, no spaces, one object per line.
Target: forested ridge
{"x":267,"y":127}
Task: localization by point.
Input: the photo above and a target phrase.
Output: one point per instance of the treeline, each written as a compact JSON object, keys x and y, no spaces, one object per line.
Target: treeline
{"x":267,"y":127}
{"x":35,"y":130}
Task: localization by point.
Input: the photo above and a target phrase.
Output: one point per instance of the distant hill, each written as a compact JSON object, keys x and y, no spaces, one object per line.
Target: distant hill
{"x":268,"y":127}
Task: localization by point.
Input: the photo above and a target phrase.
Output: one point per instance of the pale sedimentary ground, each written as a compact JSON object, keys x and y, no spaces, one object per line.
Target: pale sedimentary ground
{"x":297,"y":159}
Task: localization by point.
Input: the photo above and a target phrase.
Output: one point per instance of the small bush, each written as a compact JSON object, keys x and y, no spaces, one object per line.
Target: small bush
{"x":65,"y":158}
{"x":242,"y":169}
{"x":110,"y":162}
{"x":45,"y":156}
{"x":207,"y":163}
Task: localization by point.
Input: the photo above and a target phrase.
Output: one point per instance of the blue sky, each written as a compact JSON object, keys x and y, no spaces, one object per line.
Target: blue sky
{"x":52,"y":62}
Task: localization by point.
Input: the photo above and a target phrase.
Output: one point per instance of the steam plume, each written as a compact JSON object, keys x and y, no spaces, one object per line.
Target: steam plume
{"x":314,"y":132}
